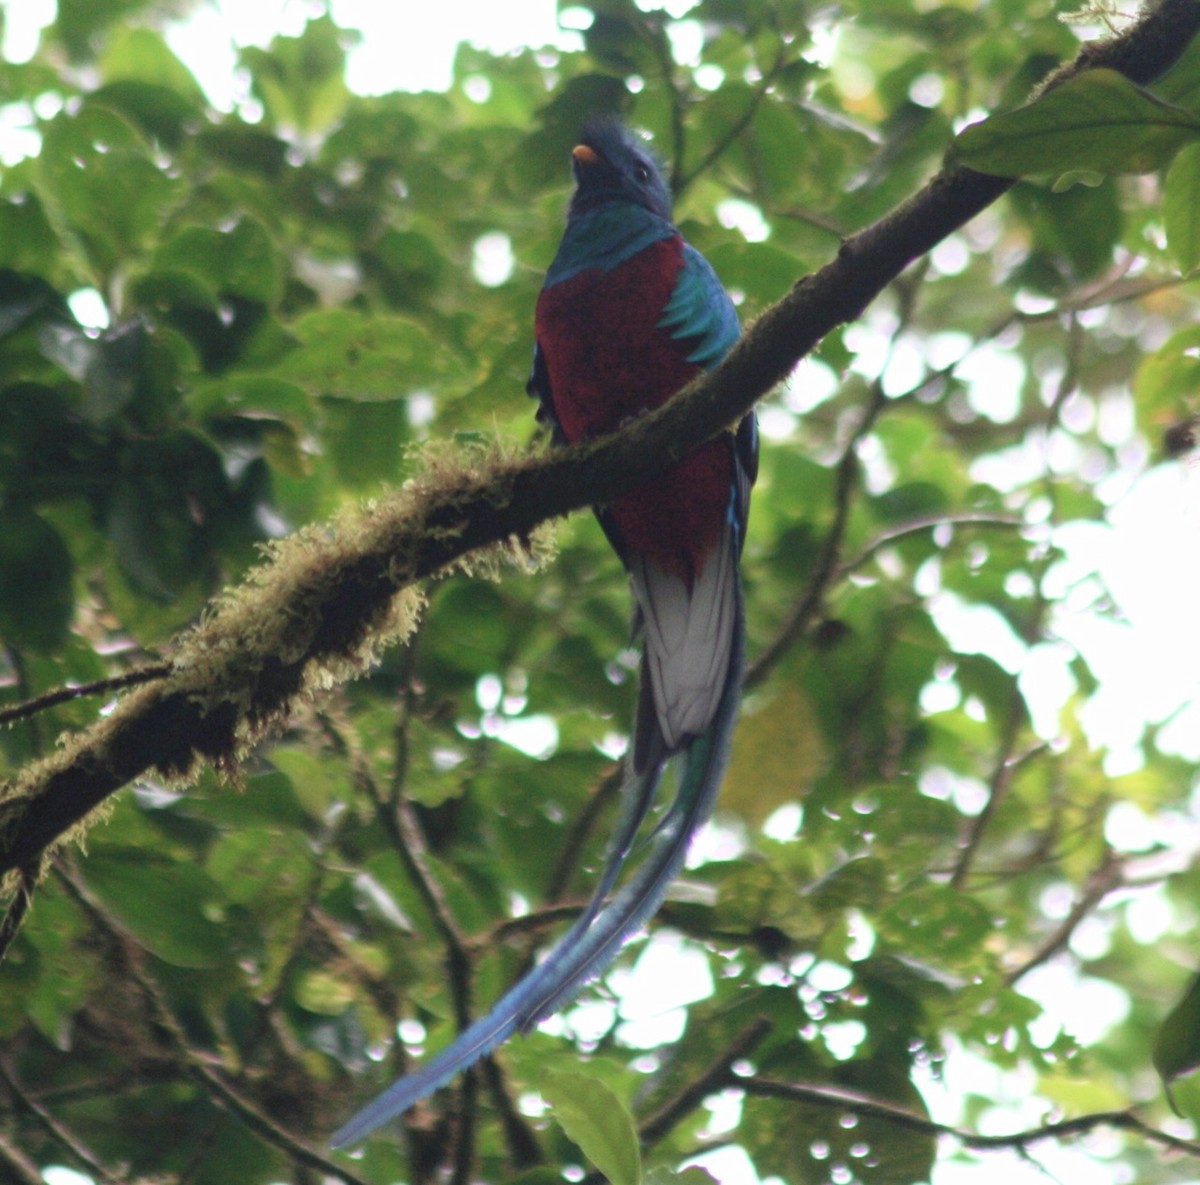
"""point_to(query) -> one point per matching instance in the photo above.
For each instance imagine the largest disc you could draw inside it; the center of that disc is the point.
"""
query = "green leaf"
(80, 23)
(365, 440)
(598, 1121)
(24, 298)
(243, 148)
(409, 264)
(781, 747)
(761, 270)
(1075, 231)
(301, 80)
(1098, 121)
(937, 923)
(1177, 1042)
(1181, 84)
(99, 179)
(312, 780)
(114, 371)
(323, 992)
(163, 903)
(857, 883)
(471, 628)
(71, 969)
(27, 241)
(267, 799)
(158, 111)
(1167, 380)
(910, 500)
(37, 600)
(255, 397)
(158, 509)
(362, 356)
(136, 53)
(241, 261)
(1181, 207)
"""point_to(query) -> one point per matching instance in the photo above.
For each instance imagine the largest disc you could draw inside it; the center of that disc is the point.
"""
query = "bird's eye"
(642, 174)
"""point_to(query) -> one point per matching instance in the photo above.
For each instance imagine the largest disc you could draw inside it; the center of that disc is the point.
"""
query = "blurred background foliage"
(217, 326)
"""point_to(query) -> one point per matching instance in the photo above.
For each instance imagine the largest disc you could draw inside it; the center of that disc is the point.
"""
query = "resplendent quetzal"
(628, 314)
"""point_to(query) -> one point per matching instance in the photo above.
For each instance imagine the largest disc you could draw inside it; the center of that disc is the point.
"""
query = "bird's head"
(611, 164)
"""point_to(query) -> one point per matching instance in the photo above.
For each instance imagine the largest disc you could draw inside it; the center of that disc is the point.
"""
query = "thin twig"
(809, 603)
(1005, 767)
(406, 703)
(395, 814)
(735, 130)
(401, 825)
(714, 1078)
(523, 1146)
(16, 660)
(533, 922)
(14, 1161)
(58, 1131)
(653, 31)
(868, 1107)
(569, 858)
(1006, 763)
(61, 695)
(918, 526)
(1103, 880)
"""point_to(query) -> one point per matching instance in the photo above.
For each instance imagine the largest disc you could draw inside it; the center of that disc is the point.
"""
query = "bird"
(628, 314)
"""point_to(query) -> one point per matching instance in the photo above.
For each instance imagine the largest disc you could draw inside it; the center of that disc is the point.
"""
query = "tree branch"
(716, 1077)
(1105, 878)
(864, 1105)
(323, 608)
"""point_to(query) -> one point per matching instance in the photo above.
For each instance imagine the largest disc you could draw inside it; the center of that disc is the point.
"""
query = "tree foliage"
(221, 329)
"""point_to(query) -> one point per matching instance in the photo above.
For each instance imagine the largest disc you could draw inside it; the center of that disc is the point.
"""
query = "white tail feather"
(688, 638)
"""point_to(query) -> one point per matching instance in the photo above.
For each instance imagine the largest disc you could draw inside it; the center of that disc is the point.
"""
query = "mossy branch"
(329, 599)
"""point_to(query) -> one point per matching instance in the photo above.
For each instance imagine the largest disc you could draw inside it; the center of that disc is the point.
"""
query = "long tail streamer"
(594, 940)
